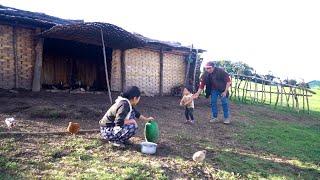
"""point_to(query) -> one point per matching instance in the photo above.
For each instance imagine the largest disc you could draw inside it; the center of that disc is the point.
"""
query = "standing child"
(187, 101)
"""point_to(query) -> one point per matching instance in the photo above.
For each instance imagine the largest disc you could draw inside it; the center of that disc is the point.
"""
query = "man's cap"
(209, 64)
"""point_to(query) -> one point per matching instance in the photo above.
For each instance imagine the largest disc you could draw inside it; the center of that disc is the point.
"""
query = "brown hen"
(73, 128)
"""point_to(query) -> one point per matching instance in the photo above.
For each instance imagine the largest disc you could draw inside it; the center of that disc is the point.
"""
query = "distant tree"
(235, 67)
(269, 76)
(292, 82)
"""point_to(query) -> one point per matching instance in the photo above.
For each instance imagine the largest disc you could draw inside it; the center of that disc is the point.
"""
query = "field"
(261, 142)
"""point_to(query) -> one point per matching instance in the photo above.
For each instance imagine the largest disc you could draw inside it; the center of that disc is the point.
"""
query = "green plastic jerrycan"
(151, 131)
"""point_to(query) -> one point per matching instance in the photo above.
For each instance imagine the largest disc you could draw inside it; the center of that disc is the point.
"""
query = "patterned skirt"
(117, 133)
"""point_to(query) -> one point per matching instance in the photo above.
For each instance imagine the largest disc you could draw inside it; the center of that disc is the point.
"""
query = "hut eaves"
(166, 44)
(90, 33)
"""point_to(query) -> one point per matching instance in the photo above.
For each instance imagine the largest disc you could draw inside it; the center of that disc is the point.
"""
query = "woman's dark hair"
(131, 92)
(189, 88)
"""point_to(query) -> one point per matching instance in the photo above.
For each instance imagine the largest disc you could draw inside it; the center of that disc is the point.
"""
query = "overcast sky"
(282, 36)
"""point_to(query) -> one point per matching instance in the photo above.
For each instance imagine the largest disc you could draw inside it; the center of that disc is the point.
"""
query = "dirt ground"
(39, 112)
(47, 112)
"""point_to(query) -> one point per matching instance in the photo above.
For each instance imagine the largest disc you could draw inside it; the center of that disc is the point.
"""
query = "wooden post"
(188, 68)
(239, 89)
(106, 66)
(303, 99)
(262, 92)
(281, 94)
(36, 83)
(194, 71)
(255, 90)
(236, 85)
(71, 74)
(277, 100)
(244, 90)
(296, 99)
(270, 90)
(250, 92)
(307, 102)
(14, 47)
(231, 91)
(292, 97)
(161, 72)
(123, 70)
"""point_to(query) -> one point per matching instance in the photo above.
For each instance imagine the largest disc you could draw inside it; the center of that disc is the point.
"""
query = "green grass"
(251, 167)
(315, 101)
(274, 149)
(286, 139)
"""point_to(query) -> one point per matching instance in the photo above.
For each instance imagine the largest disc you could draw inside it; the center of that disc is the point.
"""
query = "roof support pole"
(36, 82)
(106, 66)
(195, 71)
(123, 70)
(187, 80)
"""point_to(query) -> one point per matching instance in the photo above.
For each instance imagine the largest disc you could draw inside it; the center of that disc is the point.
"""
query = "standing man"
(217, 82)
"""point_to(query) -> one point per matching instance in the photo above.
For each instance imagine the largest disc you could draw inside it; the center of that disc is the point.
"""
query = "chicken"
(73, 128)
(199, 156)
(10, 122)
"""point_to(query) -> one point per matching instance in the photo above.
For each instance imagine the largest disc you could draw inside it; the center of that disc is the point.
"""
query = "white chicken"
(10, 122)
(199, 156)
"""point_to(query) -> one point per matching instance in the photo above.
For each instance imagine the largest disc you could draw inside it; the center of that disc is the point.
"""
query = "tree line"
(242, 68)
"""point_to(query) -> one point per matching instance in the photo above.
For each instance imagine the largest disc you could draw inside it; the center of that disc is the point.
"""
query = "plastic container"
(151, 131)
(148, 147)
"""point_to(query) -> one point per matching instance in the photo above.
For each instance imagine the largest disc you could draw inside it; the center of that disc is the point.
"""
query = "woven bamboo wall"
(6, 58)
(142, 70)
(26, 57)
(116, 71)
(174, 68)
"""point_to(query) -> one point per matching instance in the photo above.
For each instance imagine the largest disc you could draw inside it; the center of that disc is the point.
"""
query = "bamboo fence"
(258, 90)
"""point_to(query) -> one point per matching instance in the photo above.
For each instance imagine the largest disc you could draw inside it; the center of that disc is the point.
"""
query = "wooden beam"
(123, 70)
(36, 83)
(188, 68)
(106, 66)
(15, 57)
(161, 72)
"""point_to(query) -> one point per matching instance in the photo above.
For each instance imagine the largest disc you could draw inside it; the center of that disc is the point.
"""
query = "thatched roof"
(90, 33)
(77, 30)
(12, 15)
(166, 44)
